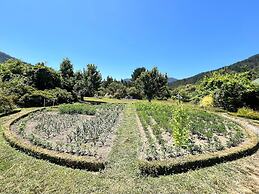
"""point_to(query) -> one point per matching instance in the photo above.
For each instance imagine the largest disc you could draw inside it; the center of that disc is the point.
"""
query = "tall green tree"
(107, 81)
(67, 75)
(88, 82)
(137, 72)
(45, 77)
(93, 79)
(66, 68)
(153, 83)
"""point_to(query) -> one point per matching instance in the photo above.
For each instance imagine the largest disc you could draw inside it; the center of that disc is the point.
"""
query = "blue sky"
(180, 37)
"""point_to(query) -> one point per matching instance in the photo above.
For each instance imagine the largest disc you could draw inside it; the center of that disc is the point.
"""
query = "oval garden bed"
(177, 138)
(78, 135)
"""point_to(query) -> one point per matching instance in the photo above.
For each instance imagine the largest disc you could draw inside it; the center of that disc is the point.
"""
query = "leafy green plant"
(180, 128)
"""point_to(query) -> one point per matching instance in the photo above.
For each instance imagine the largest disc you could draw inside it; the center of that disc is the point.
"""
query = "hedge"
(9, 113)
(64, 159)
(184, 164)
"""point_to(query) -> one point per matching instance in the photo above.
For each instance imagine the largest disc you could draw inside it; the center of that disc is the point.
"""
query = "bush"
(77, 108)
(39, 98)
(6, 104)
(248, 113)
(207, 101)
(186, 93)
(230, 91)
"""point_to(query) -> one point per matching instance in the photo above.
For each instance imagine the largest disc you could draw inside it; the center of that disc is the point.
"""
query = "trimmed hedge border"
(180, 165)
(64, 159)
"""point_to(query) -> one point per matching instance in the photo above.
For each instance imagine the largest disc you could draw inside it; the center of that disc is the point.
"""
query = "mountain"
(4, 57)
(171, 80)
(251, 64)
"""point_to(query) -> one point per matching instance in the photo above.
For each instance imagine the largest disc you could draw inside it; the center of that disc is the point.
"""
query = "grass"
(20, 173)
(248, 113)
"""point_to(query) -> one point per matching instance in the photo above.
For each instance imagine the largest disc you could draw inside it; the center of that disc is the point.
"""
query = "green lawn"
(20, 173)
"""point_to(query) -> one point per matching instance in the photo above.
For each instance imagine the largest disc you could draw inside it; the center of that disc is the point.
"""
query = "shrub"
(179, 125)
(207, 101)
(248, 113)
(39, 98)
(230, 91)
(77, 108)
(6, 104)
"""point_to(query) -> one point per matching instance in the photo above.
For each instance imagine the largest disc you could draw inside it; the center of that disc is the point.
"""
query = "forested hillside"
(251, 64)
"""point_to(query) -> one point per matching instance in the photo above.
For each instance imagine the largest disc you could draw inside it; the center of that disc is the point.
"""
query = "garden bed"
(54, 135)
(177, 138)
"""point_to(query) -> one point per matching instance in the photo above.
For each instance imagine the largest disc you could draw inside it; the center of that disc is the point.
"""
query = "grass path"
(20, 173)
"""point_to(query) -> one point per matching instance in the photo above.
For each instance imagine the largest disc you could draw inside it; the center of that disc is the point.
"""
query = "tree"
(117, 90)
(80, 85)
(87, 83)
(66, 68)
(153, 83)
(107, 82)
(137, 72)
(45, 77)
(93, 79)
(134, 93)
(67, 75)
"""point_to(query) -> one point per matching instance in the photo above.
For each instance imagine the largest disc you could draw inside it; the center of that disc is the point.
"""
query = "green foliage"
(6, 104)
(207, 101)
(153, 83)
(89, 82)
(107, 82)
(248, 113)
(77, 108)
(15, 69)
(137, 72)
(117, 90)
(66, 68)
(185, 93)
(67, 75)
(45, 77)
(37, 98)
(229, 91)
(93, 79)
(134, 93)
(180, 127)
(256, 82)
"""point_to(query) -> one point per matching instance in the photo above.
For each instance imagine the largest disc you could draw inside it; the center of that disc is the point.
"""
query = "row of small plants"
(78, 134)
(179, 130)
(77, 108)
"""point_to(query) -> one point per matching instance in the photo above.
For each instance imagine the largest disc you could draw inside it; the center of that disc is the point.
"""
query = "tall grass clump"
(77, 108)
(248, 113)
